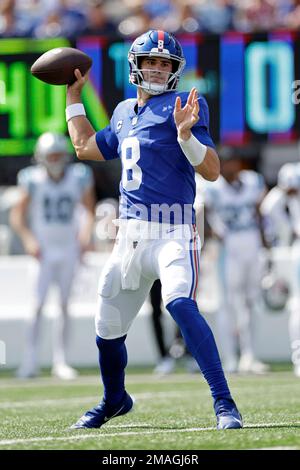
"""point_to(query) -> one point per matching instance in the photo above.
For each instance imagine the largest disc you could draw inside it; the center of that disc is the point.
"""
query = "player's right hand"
(32, 247)
(74, 90)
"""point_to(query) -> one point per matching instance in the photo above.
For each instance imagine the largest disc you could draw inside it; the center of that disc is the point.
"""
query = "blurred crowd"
(71, 18)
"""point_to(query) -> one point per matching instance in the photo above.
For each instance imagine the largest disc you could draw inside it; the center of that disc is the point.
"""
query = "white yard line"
(78, 437)
(102, 435)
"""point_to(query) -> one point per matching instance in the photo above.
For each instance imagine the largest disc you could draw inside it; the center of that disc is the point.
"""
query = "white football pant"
(145, 251)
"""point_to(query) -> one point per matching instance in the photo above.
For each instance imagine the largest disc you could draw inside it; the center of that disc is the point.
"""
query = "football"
(57, 66)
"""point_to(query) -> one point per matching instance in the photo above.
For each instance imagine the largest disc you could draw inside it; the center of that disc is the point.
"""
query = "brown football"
(57, 65)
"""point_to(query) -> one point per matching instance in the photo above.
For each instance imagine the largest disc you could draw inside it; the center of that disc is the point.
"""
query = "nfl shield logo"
(134, 121)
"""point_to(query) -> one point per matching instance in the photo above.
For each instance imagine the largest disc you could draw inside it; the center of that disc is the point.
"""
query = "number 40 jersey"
(156, 175)
(54, 206)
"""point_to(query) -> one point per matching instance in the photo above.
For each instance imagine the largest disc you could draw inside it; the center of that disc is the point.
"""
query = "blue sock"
(112, 362)
(201, 344)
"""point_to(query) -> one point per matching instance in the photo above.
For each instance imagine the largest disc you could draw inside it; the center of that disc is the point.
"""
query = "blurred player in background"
(232, 210)
(157, 237)
(281, 207)
(54, 219)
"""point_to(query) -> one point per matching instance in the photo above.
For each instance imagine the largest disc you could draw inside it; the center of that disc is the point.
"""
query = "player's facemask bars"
(157, 83)
(55, 169)
(152, 86)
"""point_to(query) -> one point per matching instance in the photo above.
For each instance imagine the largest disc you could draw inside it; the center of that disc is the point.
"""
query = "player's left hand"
(185, 118)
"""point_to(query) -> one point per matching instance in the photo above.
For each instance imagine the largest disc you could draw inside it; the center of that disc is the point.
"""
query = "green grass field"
(171, 413)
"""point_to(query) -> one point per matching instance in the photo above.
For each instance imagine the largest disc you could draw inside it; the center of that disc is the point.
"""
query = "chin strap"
(153, 88)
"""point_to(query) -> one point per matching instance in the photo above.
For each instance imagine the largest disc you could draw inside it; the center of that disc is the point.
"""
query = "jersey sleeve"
(107, 141)
(84, 176)
(25, 180)
(201, 129)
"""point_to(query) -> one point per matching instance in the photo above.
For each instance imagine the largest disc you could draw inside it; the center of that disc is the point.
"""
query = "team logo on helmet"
(156, 44)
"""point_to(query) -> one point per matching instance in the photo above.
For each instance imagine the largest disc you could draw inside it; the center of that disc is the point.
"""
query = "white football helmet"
(275, 290)
(161, 44)
(289, 177)
(48, 144)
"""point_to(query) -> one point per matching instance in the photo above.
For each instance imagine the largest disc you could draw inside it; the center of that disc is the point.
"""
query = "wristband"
(193, 150)
(76, 109)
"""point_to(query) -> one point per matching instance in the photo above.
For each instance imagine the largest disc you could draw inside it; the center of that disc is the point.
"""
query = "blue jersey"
(158, 182)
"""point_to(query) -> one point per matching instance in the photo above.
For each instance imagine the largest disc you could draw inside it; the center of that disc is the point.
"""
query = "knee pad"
(108, 322)
(110, 281)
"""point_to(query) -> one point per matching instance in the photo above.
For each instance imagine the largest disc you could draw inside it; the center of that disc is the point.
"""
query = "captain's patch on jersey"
(119, 125)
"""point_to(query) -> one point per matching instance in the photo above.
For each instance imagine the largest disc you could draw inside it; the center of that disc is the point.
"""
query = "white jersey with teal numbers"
(235, 205)
(158, 182)
(282, 208)
(53, 215)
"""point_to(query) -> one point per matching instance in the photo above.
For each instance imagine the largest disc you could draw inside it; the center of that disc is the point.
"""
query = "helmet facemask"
(56, 168)
(151, 87)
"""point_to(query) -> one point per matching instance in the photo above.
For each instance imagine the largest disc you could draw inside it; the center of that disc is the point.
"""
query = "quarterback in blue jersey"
(162, 137)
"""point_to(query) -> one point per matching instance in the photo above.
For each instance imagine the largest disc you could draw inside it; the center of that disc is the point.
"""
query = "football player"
(281, 207)
(162, 137)
(232, 210)
(47, 219)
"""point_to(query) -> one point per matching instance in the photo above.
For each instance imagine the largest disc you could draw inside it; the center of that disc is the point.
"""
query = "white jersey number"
(58, 210)
(132, 173)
